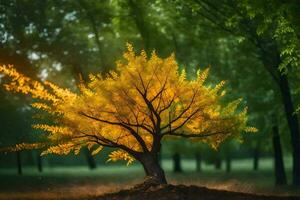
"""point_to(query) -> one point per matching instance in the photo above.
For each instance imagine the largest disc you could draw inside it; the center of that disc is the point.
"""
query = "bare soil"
(182, 192)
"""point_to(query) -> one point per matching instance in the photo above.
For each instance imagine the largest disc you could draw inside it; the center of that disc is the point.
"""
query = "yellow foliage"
(120, 155)
(142, 101)
(96, 151)
(23, 146)
(59, 149)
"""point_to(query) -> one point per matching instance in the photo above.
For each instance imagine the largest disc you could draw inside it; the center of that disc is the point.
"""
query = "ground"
(179, 192)
(81, 183)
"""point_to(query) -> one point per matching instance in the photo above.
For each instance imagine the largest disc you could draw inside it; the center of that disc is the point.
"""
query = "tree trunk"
(218, 163)
(278, 160)
(152, 169)
(198, 162)
(292, 120)
(90, 160)
(39, 162)
(19, 163)
(228, 164)
(177, 163)
(256, 158)
(160, 157)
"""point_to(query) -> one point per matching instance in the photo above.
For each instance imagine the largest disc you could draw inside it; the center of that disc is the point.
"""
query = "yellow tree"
(131, 110)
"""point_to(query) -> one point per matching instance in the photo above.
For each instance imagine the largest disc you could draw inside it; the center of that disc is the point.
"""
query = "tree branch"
(132, 131)
(183, 112)
(200, 135)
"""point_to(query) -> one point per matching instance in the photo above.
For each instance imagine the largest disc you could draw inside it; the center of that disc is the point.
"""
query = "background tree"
(269, 27)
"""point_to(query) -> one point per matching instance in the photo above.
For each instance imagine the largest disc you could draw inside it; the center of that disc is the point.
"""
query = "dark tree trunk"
(278, 158)
(228, 164)
(256, 158)
(198, 162)
(19, 163)
(90, 160)
(39, 162)
(280, 176)
(293, 126)
(218, 163)
(152, 168)
(177, 163)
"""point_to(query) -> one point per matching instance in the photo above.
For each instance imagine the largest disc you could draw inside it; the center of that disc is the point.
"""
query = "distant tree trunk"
(28, 157)
(280, 176)
(228, 163)
(152, 168)
(177, 163)
(19, 163)
(218, 163)
(39, 162)
(90, 159)
(198, 162)
(256, 158)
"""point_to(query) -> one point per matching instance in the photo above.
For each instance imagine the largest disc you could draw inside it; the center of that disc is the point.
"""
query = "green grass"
(73, 182)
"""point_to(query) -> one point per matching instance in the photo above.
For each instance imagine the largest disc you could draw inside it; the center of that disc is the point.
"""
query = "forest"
(149, 99)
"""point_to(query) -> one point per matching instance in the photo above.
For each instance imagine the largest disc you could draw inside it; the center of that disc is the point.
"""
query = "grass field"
(80, 182)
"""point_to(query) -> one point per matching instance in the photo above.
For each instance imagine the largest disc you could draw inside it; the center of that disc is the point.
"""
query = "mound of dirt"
(182, 192)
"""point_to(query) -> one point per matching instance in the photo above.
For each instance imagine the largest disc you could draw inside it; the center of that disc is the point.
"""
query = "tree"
(271, 27)
(132, 110)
